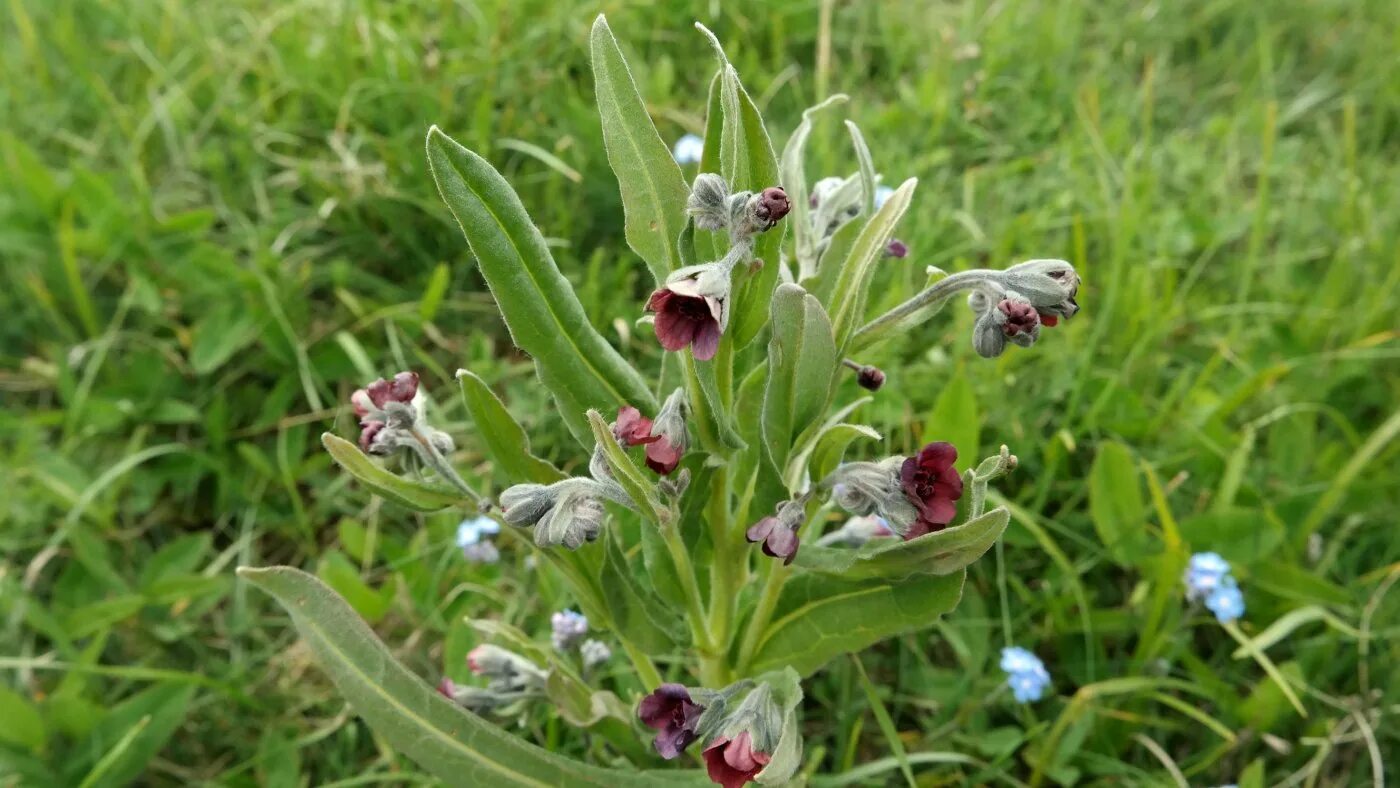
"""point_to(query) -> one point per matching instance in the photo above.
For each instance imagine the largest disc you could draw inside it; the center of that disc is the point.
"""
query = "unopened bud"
(870, 378)
(709, 202)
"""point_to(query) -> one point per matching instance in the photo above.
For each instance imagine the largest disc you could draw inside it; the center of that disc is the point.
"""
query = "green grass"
(216, 220)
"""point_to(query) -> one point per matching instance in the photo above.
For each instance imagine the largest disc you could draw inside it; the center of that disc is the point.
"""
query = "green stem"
(695, 612)
(724, 590)
(932, 296)
(763, 612)
(646, 669)
(439, 463)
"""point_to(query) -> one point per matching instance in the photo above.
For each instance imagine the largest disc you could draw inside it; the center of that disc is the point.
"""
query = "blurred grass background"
(216, 221)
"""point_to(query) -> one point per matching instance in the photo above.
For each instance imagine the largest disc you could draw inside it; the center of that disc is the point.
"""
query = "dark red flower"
(779, 541)
(663, 456)
(674, 715)
(632, 428)
(401, 389)
(369, 429)
(932, 484)
(772, 206)
(1021, 317)
(447, 688)
(871, 378)
(683, 319)
(897, 249)
(733, 762)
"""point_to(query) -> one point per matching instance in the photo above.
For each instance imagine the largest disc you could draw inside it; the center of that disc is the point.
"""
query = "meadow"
(216, 221)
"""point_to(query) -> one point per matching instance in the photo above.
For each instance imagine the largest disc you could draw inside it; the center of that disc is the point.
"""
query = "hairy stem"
(930, 297)
(439, 463)
(695, 607)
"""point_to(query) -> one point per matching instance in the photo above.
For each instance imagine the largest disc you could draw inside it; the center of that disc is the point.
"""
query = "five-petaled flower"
(670, 710)
(933, 486)
(733, 762)
(690, 311)
(632, 428)
(778, 538)
(1025, 674)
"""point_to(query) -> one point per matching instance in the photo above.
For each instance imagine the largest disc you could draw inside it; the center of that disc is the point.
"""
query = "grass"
(217, 220)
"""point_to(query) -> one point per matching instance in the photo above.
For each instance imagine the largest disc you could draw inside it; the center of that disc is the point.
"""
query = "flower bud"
(670, 439)
(631, 427)
(1049, 285)
(402, 389)
(870, 378)
(896, 249)
(575, 518)
(988, 338)
(709, 202)
(1018, 317)
(772, 205)
(525, 504)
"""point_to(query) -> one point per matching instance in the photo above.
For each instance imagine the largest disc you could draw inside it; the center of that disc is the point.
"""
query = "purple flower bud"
(674, 715)
(772, 206)
(369, 429)
(402, 389)
(733, 762)
(632, 428)
(779, 540)
(1021, 317)
(897, 249)
(870, 378)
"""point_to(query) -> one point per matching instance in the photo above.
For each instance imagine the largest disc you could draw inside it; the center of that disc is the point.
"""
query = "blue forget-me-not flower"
(688, 149)
(1025, 674)
(1208, 579)
(569, 628)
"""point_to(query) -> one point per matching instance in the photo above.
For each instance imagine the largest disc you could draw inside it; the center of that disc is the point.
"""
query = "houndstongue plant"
(706, 537)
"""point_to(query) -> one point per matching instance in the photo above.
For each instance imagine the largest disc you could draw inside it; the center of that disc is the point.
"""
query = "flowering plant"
(704, 537)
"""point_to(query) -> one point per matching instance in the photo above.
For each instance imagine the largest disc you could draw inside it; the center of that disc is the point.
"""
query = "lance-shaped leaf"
(830, 447)
(867, 169)
(940, 553)
(417, 495)
(541, 310)
(819, 618)
(801, 367)
(636, 613)
(457, 746)
(748, 163)
(853, 284)
(506, 442)
(654, 191)
(794, 180)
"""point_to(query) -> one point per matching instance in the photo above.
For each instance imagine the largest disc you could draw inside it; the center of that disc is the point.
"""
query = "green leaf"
(819, 618)
(506, 442)
(434, 292)
(217, 336)
(446, 740)
(1116, 505)
(853, 283)
(794, 179)
(541, 310)
(654, 191)
(20, 722)
(636, 613)
(801, 368)
(336, 571)
(747, 162)
(955, 418)
(940, 553)
(416, 495)
(867, 169)
(830, 447)
(112, 755)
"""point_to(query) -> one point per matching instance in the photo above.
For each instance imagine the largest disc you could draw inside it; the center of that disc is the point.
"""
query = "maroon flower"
(733, 762)
(933, 485)
(368, 430)
(779, 541)
(871, 378)
(897, 249)
(674, 715)
(401, 389)
(1021, 317)
(772, 206)
(447, 688)
(632, 428)
(663, 456)
(686, 319)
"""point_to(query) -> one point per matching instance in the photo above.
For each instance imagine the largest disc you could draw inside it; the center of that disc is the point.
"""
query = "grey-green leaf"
(417, 495)
(654, 191)
(449, 742)
(506, 442)
(853, 284)
(941, 553)
(638, 487)
(794, 179)
(819, 618)
(801, 368)
(540, 307)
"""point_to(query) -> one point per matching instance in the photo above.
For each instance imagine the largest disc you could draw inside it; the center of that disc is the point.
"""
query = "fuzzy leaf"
(868, 180)
(455, 745)
(506, 442)
(819, 619)
(794, 179)
(801, 367)
(540, 307)
(853, 284)
(635, 611)
(940, 553)
(653, 189)
(831, 447)
(638, 487)
(417, 495)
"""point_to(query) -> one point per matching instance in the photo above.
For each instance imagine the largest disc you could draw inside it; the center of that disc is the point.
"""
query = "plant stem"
(762, 613)
(646, 669)
(933, 295)
(695, 613)
(439, 463)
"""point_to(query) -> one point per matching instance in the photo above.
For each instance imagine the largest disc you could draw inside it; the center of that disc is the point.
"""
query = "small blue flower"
(1205, 573)
(569, 628)
(469, 532)
(1025, 674)
(1226, 602)
(483, 552)
(688, 149)
(882, 193)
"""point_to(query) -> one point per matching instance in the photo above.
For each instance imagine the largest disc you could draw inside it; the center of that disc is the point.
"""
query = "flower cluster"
(1025, 674)
(692, 305)
(475, 538)
(594, 653)
(1208, 578)
(914, 495)
(665, 438)
(390, 412)
(568, 628)
(1014, 304)
(510, 677)
(741, 738)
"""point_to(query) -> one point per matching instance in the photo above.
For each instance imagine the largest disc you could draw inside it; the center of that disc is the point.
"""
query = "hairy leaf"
(853, 283)
(801, 367)
(417, 495)
(506, 442)
(940, 553)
